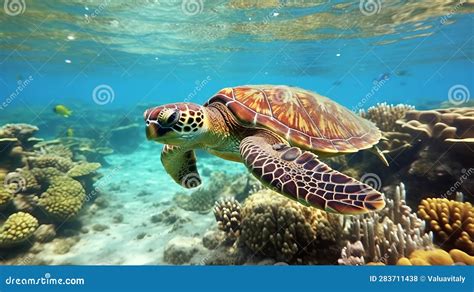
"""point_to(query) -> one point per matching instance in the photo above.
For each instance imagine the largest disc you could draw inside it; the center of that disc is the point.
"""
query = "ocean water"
(108, 61)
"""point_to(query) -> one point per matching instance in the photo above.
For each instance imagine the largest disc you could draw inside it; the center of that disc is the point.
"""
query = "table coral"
(83, 169)
(452, 222)
(17, 229)
(452, 127)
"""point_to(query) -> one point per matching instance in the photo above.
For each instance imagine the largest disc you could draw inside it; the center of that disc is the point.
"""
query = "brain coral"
(63, 199)
(276, 227)
(451, 221)
(60, 163)
(17, 229)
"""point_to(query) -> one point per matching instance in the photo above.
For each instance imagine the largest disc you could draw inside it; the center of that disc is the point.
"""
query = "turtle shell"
(305, 119)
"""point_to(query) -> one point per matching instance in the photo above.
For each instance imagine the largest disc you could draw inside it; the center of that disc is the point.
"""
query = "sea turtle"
(278, 132)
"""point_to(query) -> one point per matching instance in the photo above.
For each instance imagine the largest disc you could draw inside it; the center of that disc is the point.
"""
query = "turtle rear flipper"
(300, 175)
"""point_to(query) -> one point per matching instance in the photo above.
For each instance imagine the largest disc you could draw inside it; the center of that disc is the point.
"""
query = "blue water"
(152, 53)
(107, 61)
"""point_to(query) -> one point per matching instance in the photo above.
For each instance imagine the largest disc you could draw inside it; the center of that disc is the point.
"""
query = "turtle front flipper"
(181, 165)
(301, 176)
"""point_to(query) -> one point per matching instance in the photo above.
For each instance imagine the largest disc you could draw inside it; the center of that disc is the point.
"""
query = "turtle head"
(175, 124)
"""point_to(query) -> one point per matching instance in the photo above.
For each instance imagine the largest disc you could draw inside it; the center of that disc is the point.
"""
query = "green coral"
(60, 163)
(276, 227)
(5, 197)
(18, 228)
(63, 199)
(83, 169)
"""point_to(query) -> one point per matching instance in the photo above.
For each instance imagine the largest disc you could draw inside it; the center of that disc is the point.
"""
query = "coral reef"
(276, 227)
(63, 198)
(452, 222)
(451, 127)
(436, 257)
(385, 115)
(42, 182)
(17, 229)
(228, 216)
(180, 250)
(386, 236)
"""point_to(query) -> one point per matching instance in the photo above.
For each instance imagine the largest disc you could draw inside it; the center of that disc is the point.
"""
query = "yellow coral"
(17, 229)
(436, 257)
(63, 199)
(5, 197)
(83, 169)
(451, 221)
(404, 262)
(461, 257)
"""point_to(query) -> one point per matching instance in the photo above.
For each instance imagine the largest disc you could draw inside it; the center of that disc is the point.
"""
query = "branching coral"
(393, 233)
(18, 228)
(385, 115)
(452, 222)
(228, 216)
(276, 227)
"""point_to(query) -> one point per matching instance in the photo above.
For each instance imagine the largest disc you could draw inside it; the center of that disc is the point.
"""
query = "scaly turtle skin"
(278, 132)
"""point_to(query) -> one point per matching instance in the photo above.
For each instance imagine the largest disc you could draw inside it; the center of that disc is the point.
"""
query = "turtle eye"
(171, 119)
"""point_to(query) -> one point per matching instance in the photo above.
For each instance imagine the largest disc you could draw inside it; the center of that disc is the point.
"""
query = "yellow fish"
(62, 110)
(70, 132)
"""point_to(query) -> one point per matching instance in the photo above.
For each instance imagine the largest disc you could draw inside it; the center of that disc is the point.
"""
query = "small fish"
(19, 77)
(401, 73)
(70, 132)
(337, 83)
(381, 77)
(62, 110)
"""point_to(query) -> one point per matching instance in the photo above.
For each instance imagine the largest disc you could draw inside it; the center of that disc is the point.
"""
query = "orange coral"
(452, 222)
(436, 257)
